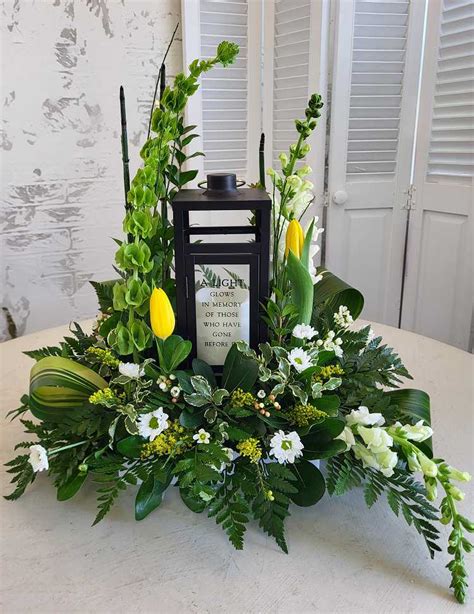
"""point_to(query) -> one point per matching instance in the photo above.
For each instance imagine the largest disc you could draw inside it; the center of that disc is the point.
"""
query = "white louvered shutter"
(295, 66)
(227, 107)
(377, 52)
(438, 291)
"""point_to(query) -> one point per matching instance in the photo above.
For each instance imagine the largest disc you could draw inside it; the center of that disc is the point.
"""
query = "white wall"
(62, 64)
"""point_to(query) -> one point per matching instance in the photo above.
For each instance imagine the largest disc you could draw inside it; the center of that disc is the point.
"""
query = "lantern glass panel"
(222, 298)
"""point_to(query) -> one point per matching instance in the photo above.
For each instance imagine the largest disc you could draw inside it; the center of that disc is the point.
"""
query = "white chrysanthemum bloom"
(366, 456)
(416, 432)
(261, 394)
(375, 438)
(202, 436)
(347, 436)
(38, 458)
(304, 331)
(363, 417)
(343, 317)
(132, 370)
(286, 447)
(300, 359)
(152, 424)
(388, 461)
(175, 391)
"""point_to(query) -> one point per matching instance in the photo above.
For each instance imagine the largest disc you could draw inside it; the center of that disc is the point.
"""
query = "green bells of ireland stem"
(140, 223)
(134, 256)
(127, 338)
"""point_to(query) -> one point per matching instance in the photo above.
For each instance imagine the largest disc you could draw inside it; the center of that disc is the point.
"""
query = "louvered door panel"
(226, 108)
(438, 291)
(452, 128)
(371, 134)
(290, 70)
(296, 48)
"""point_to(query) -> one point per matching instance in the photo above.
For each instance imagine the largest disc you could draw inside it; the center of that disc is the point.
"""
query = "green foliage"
(403, 493)
(271, 513)
(23, 475)
(231, 511)
(310, 486)
(331, 292)
(240, 371)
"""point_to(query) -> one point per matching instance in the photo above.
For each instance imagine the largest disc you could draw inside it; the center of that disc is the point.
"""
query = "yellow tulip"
(294, 239)
(161, 314)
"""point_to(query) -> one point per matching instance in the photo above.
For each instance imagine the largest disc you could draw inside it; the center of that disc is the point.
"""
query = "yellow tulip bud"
(294, 239)
(161, 314)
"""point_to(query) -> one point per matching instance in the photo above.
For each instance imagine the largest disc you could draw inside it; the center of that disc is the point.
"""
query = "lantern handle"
(203, 184)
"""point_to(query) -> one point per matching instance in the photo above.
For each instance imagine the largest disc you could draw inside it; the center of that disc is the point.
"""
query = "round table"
(342, 556)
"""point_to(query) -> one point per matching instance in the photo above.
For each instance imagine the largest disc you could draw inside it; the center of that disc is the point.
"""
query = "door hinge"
(326, 199)
(410, 198)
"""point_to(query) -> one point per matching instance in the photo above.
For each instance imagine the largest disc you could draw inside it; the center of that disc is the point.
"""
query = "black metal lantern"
(222, 271)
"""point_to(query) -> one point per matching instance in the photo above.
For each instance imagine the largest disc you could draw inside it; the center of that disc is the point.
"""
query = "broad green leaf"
(60, 385)
(175, 351)
(149, 496)
(71, 487)
(191, 420)
(202, 368)
(131, 446)
(302, 288)
(239, 371)
(335, 292)
(320, 442)
(310, 484)
(184, 380)
(329, 403)
(415, 405)
(195, 504)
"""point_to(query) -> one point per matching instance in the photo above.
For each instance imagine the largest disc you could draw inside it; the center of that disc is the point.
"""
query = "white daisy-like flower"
(202, 436)
(261, 394)
(152, 424)
(304, 331)
(38, 458)
(300, 359)
(286, 447)
(175, 391)
(132, 370)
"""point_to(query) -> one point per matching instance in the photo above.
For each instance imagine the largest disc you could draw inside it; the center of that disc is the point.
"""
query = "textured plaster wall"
(62, 64)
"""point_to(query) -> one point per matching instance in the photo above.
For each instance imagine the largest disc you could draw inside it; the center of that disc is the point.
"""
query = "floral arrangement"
(118, 407)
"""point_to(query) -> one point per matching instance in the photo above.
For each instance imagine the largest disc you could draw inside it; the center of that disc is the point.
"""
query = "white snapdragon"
(152, 424)
(387, 460)
(365, 455)
(347, 436)
(300, 359)
(38, 458)
(428, 467)
(286, 447)
(375, 438)
(131, 370)
(202, 436)
(304, 331)
(363, 417)
(342, 317)
(417, 432)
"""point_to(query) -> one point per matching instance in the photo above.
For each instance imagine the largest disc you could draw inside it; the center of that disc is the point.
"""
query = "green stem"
(71, 445)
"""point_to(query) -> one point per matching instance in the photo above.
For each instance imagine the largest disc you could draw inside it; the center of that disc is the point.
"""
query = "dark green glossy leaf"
(191, 420)
(415, 405)
(130, 446)
(71, 487)
(202, 368)
(329, 403)
(320, 442)
(335, 292)
(195, 504)
(239, 371)
(149, 496)
(311, 485)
